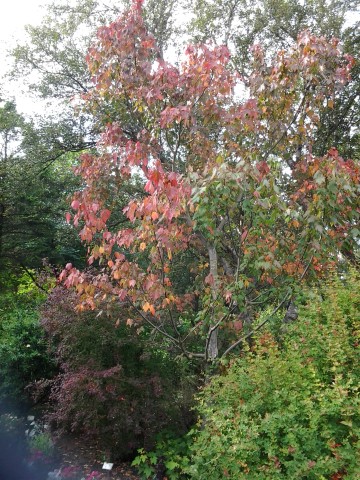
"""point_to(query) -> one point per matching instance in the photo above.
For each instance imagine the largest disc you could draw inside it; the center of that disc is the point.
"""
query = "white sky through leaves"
(14, 15)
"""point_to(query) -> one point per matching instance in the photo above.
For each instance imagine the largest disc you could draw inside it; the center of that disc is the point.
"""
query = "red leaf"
(238, 325)
(209, 279)
(105, 215)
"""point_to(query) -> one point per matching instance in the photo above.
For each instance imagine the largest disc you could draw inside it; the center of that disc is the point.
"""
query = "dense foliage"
(276, 25)
(24, 355)
(35, 180)
(113, 388)
(234, 185)
(287, 410)
(290, 412)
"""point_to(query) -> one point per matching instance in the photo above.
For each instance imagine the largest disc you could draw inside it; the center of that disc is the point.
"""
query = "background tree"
(10, 123)
(52, 61)
(34, 190)
(276, 24)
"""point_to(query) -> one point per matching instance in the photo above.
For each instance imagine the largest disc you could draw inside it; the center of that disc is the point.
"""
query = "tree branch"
(245, 337)
(33, 278)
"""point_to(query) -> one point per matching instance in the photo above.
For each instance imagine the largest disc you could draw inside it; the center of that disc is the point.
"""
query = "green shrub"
(23, 350)
(170, 457)
(41, 443)
(291, 412)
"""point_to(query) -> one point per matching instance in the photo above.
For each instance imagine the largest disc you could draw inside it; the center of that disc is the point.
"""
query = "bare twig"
(245, 337)
(33, 278)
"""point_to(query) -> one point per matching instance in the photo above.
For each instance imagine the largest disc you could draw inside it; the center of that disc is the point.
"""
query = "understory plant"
(112, 387)
(23, 350)
(290, 412)
(170, 457)
(41, 442)
(287, 407)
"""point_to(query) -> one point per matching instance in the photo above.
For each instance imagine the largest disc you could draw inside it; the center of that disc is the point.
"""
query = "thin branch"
(33, 278)
(274, 145)
(245, 337)
(341, 118)
(285, 299)
(165, 334)
(162, 332)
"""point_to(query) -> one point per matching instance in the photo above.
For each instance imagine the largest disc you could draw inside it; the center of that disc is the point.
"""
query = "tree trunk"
(212, 341)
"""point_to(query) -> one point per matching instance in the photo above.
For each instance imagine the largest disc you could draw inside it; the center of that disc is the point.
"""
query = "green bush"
(41, 443)
(290, 412)
(170, 457)
(23, 350)
(286, 409)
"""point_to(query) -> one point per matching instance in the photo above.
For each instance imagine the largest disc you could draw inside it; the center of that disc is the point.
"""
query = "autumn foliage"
(232, 196)
(114, 390)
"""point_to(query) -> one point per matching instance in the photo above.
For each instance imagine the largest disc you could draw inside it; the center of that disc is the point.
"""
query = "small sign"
(107, 466)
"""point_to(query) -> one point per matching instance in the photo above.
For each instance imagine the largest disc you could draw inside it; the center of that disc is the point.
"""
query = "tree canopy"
(231, 189)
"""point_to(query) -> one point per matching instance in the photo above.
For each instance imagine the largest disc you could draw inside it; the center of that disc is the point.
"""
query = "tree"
(10, 123)
(34, 187)
(52, 64)
(339, 126)
(276, 24)
(232, 190)
(52, 61)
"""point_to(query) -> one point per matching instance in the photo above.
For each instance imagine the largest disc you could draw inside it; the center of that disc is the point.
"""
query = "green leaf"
(170, 465)
(137, 460)
(148, 471)
(355, 232)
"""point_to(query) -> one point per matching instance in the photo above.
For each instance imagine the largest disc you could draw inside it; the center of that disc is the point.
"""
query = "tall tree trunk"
(212, 351)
